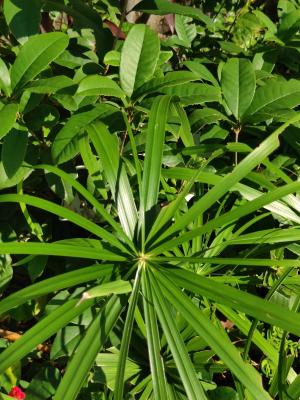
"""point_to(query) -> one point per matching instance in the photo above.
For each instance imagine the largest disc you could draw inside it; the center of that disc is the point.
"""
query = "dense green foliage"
(150, 228)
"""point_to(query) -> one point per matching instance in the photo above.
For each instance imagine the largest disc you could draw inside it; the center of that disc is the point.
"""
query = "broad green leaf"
(289, 26)
(14, 149)
(185, 367)
(228, 296)
(107, 147)
(126, 336)
(170, 79)
(95, 85)
(186, 31)
(202, 71)
(64, 213)
(153, 155)
(213, 336)
(193, 93)
(35, 56)
(238, 84)
(63, 250)
(84, 357)
(65, 145)
(163, 7)
(153, 342)
(205, 116)
(5, 85)
(106, 370)
(273, 96)
(21, 174)
(50, 285)
(8, 115)
(139, 57)
(113, 58)
(50, 85)
(23, 18)
(41, 331)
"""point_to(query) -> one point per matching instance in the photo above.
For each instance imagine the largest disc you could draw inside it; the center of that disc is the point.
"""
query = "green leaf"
(65, 145)
(89, 197)
(205, 116)
(95, 85)
(89, 347)
(238, 85)
(4, 78)
(202, 71)
(183, 362)
(64, 213)
(54, 284)
(170, 79)
(273, 96)
(126, 337)
(14, 149)
(240, 171)
(194, 93)
(139, 58)
(163, 7)
(50, 85)
(45, 328)
(185, 30)
(107, 147)
(153, 154)
(153, 342)
(8, 115)
(116, 287)
(23, 18)
(213, 336)
(228, 296)
(63, 250)
(35, 56)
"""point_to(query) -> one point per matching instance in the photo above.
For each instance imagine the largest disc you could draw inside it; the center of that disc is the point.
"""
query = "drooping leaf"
(238, 85)
(35, 56)
(139, 57)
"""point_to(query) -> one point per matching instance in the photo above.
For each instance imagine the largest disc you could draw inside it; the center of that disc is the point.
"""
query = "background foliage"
(149, 182)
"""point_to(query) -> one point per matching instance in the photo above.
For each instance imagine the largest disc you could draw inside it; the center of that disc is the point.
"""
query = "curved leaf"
(35, 56)
(139, 58)
(194, 93)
